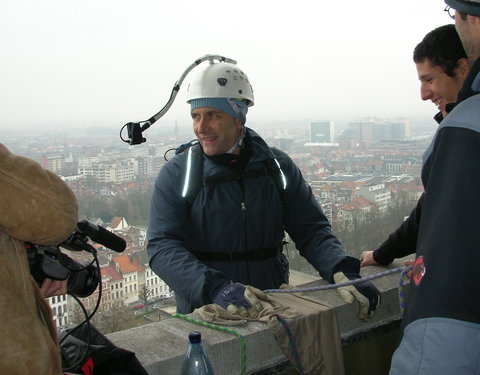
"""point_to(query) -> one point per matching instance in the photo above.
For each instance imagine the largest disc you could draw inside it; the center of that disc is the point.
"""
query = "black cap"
(195, 337)
(471, 7)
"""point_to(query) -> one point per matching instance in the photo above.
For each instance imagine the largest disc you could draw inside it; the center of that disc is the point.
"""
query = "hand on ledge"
(366, 259)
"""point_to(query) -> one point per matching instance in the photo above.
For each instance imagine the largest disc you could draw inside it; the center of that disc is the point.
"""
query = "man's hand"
(240, 300)
(52, 288)
(365, 293)
(366, 259)
(409, 263)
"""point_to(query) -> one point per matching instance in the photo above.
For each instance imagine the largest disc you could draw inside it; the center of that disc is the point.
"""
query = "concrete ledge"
(161, 346)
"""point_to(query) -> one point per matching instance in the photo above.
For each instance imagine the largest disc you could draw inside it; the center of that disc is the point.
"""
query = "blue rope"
(334, 286)
(401, 296)
(285, 325)
(293, 344)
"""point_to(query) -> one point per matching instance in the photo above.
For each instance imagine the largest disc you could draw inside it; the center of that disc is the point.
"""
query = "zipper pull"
(242, 206)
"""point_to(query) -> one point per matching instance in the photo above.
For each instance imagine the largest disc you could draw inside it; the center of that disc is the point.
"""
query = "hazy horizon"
(68, 64)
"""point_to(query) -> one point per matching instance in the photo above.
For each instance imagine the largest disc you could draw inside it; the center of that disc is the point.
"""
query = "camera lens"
(84, 277)
(83, 283)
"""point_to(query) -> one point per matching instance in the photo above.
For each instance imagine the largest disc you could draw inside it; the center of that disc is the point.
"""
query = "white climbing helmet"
(220, 80)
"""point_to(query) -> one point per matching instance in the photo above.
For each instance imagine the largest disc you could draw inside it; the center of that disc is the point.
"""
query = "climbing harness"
(193, 180)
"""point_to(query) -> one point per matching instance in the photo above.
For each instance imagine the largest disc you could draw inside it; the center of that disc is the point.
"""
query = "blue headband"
(236, 108)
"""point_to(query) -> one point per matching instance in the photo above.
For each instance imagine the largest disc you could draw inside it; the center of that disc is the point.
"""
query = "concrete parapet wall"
(161, 346)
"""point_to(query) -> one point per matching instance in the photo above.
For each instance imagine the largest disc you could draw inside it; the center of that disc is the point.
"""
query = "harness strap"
(259, 254)
(215, 180)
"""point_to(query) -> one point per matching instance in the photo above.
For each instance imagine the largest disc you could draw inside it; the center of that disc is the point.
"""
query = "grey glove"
(365, 293)
(240, 300)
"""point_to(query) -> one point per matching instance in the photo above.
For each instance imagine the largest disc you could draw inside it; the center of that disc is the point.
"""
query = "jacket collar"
(261, 151)
(438, 117)
(471, 86)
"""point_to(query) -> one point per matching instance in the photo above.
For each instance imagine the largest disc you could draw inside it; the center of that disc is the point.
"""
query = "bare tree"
(144, 294)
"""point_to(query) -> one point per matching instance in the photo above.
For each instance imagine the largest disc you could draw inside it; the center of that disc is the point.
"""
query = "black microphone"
(101, 235)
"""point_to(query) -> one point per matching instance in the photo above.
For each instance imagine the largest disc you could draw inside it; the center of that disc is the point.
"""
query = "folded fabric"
(313, 325)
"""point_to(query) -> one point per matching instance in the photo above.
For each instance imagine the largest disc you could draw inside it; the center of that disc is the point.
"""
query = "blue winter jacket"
(235, 220)
(446, 277)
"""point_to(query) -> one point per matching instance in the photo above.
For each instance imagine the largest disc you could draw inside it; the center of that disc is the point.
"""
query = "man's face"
(216, 130)
(468, 29)
(437, 86)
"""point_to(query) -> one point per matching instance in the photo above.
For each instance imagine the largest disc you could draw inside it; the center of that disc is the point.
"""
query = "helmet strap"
(238, 142)
(239, 113)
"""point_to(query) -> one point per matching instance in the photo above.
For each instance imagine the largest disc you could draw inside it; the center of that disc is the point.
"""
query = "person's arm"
(400, 243)
(168, 230)
(36, 205)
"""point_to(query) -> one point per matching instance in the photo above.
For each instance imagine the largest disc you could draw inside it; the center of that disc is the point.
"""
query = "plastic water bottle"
(196, 360)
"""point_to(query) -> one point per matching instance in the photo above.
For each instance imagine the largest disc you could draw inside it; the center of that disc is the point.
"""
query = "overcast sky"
(109, 62)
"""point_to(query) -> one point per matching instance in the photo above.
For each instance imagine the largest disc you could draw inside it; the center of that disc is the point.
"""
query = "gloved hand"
(365, 293)
(240, 300)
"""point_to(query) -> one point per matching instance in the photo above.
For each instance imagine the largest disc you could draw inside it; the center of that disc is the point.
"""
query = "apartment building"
(59, 306)
(376, 193)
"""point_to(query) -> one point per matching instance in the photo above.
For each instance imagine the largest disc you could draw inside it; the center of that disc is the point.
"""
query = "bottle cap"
(195, 337)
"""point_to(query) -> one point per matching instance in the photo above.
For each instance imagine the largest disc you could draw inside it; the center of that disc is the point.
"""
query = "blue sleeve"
(309, 228)
(168, 232)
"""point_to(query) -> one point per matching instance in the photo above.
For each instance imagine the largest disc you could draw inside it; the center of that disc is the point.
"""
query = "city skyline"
(114, 62)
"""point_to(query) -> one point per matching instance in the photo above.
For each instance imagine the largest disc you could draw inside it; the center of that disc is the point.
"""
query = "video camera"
(83, 277)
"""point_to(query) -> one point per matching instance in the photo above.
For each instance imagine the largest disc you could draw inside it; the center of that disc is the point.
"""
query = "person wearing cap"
(441, 322)
(442, 66)
(230, 238)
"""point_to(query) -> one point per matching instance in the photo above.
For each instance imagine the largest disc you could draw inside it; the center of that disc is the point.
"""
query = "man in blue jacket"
(229, 236)
(442, 317)
(442, 67)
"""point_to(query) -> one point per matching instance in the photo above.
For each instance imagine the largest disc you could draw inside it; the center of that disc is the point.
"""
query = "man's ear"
(474, 20)
(463, 67)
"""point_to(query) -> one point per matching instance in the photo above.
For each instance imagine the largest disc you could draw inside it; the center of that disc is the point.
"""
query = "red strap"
(87, 368)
